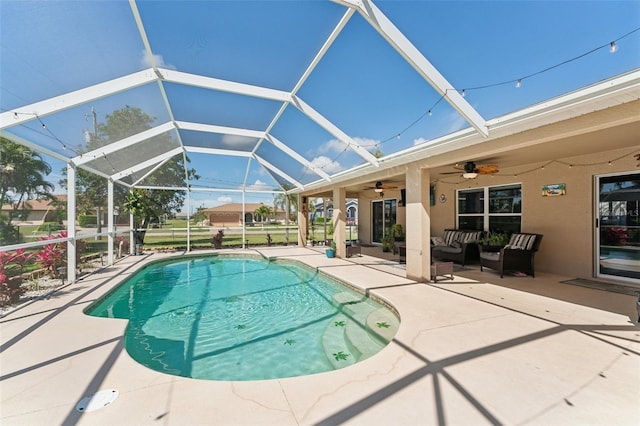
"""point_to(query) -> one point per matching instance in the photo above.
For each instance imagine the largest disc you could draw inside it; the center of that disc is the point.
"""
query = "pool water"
(230, 318)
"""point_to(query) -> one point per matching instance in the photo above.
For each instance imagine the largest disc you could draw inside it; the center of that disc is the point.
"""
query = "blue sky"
(361, 85)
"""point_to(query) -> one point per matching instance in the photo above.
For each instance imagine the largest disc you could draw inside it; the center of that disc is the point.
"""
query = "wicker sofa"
(457, 245)
(517, 256)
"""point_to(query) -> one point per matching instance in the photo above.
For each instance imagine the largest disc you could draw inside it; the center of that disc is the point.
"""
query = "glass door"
(383, 217)
(618, 226)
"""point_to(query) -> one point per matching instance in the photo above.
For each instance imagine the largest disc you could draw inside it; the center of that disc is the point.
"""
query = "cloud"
(456, 122)
(336, 146)
(258, 185)
(243, 143)
(224, 199)
(159, 60)
(326, 164)
(418, 141)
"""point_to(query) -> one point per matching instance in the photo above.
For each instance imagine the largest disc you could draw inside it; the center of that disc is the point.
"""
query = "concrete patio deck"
(475, 350)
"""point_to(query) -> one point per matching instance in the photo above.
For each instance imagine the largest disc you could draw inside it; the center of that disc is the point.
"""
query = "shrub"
(50, 227)
(11, 287)
(53, 256)
(87, 220)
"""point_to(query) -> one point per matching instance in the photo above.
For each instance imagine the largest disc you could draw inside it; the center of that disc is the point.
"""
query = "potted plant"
(496, 239)
(217, 239)
(331, 252)
(387, 242)
(398, 232)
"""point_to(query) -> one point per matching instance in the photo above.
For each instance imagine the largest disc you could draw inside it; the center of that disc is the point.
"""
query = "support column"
(244, 222)
(71, 223)
(189, 220)
(418, 232)
(110, 227)
(132, 240)
(339, 229)
(303, 220)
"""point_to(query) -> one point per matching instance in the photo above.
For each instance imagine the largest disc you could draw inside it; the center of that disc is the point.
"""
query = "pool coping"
(467, 351)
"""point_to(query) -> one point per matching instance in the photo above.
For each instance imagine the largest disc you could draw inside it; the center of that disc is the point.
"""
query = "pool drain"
(97, 400)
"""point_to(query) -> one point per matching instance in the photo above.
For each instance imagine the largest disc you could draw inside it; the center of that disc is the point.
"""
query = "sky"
(362, 85)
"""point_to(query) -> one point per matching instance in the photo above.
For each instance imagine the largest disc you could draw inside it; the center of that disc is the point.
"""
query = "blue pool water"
(230, 318)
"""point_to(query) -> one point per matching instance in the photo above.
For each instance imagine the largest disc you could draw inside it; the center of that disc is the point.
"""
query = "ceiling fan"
(471, 171)
(379, 187)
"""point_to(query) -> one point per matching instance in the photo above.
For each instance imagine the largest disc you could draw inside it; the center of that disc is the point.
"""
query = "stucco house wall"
(567, 222)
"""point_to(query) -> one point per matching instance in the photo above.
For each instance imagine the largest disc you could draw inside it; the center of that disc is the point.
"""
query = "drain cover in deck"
(97, 401)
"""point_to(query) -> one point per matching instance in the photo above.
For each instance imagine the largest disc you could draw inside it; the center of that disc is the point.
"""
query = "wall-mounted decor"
(443, 199)
(554, 190)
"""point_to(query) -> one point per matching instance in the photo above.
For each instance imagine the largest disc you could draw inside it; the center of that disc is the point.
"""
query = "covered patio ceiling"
(293, 96)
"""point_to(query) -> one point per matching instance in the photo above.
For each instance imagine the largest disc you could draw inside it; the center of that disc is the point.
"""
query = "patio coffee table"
(441, 269)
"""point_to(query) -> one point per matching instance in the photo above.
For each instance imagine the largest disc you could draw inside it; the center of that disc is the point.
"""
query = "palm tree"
(286, 201)
(264, 212)
(22, 178)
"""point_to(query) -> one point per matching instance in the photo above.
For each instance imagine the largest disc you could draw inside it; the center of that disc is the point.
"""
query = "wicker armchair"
(518, 255)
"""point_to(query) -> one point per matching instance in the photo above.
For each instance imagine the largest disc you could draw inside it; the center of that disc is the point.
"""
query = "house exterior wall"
(226, 219)
(567, 222)
(364, 212)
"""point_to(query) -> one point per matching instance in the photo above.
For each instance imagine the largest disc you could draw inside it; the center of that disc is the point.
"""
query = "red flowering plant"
(615, 235)
(217, 239)
(52, 256)
(11, 267)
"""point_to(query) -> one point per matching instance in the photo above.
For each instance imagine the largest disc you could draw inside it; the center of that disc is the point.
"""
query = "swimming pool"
(244, 318)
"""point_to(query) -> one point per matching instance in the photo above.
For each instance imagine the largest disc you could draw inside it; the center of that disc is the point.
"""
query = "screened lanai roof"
(271, 95)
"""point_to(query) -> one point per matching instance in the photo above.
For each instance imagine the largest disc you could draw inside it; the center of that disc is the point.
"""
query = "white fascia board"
(334, 130)
(151, 162)
(72, 99)
(629, 82)
(123, 143)
(224, 85)
(266, 164)
(299, 158)
(216, 151)
(412, 55)
(223, 130)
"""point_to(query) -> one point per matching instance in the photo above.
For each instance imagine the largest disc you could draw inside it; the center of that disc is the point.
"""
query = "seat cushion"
(521, 241)
(471, 237)
(490, 255)
(450, 236)
(447, 249)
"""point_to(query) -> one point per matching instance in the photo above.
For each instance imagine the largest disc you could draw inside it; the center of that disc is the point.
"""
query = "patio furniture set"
(462, 246)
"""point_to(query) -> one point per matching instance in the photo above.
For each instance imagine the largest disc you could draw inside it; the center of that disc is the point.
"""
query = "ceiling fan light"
(378, 189)
(470, 175)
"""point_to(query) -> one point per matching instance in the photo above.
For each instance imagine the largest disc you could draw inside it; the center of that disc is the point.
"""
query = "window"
(494, 209)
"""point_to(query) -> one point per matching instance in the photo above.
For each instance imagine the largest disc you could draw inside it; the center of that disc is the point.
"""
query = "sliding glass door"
(383, 217)
(618, 226)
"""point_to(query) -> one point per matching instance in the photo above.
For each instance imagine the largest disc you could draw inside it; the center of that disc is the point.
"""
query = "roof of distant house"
(39, 204)
(235, 207)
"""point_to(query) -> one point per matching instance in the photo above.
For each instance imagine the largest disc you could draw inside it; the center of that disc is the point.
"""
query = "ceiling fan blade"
(487, 169)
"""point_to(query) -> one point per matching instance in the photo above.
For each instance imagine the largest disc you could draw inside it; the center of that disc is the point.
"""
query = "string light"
(542, 167)
(518, 81)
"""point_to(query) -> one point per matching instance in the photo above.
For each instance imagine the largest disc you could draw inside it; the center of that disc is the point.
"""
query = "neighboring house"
(231, 214)
(38, 211)
(351, 210)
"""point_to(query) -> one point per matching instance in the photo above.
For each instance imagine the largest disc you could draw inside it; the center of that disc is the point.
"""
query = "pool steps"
(358, 342)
